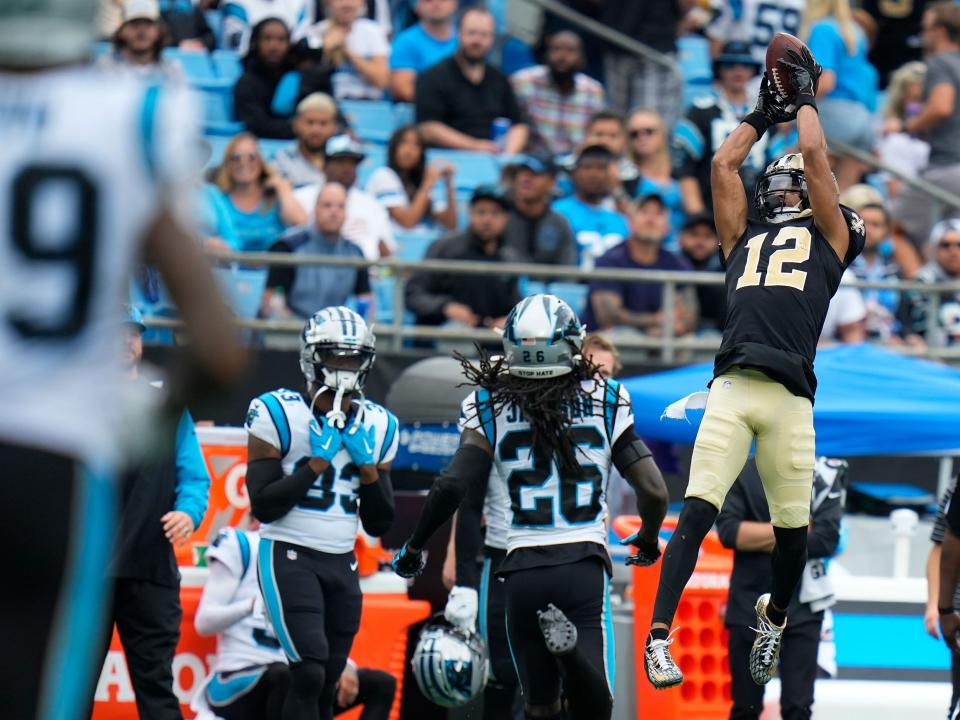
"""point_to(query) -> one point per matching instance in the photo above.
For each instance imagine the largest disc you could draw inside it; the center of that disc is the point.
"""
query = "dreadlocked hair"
(548, 405)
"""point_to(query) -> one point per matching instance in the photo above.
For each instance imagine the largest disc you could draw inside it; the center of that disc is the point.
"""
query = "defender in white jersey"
(318, 464)
(89, 168)
(551, 430)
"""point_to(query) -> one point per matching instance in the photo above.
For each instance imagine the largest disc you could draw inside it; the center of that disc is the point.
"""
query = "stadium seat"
(472, 168)
(227, 64)
(214, 19)
(403, 114)
(243, 288)
(376, 156)
(218, 119)
(412, 246)
(694, 57)
(383, 287)
(196, 64)
(100, 49)
(574, 294)
(218, 145)
(528, 287)
(372, 120)
(270, 147)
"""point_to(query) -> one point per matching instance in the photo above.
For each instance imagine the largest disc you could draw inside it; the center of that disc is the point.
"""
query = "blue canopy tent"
(870, 401)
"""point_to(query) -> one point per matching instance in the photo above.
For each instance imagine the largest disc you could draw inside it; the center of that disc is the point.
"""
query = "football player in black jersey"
(782, 268)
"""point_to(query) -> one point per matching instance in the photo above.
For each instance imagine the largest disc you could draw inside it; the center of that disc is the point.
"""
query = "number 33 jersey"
(326, 518)
(87, 163)
(780, 278)
(545, 507)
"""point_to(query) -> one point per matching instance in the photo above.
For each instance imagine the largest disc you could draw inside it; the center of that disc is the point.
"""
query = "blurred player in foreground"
(553, 428)
(89, 173)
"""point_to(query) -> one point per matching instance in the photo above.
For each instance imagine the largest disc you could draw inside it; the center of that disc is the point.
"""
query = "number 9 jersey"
(544, 508)
(327, 516)
(88, 163)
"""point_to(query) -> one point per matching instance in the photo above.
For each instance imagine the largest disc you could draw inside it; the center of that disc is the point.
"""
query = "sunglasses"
(646, 132)
(237, 157)
(948, 245)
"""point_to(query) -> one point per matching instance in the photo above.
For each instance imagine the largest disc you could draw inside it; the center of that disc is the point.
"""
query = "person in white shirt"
(357, 47)
(367, 224)
(846, 315)
(407, 186)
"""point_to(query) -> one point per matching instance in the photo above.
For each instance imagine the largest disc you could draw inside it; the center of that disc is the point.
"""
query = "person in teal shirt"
(422, 45)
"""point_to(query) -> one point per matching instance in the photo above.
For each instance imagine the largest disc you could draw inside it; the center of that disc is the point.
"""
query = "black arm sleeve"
(273, 494)
(470, 465)
(376, 505)
(634, 461)
(469, 535)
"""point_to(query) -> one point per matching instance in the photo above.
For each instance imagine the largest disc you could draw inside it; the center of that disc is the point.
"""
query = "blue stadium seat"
(403, 114)
(372, 120)
(412, 246)
(218, 145)
(196, 65)
(383, 287)
(227, 64)
(242, 288)
(472, 168)
(270, 147)
(693, 54)
(376, 156)
(528, 287)
(218, 99)
(100, 49)
(574, 294)
(215, 21)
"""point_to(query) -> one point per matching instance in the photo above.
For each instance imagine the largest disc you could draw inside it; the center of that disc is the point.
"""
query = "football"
(777, 50)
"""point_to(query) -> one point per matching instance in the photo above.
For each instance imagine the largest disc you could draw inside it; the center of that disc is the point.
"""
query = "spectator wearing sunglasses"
(259, 201)
(944, 266)
(708, 122)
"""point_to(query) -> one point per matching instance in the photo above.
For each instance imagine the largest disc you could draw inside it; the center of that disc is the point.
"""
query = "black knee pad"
(307, 678)
(698, 514)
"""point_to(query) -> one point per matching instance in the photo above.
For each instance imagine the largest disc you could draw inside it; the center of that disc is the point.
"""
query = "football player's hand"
(949, 626)
(804, 74)
(177, 526)
(348, 686)
(930, 622)
(771, 106)
(360, 442)
(647, 552)
(325, 439)
(462, 607)
(408, 564)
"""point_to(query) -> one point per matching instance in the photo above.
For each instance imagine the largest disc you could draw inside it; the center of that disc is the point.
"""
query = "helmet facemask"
(772, 198)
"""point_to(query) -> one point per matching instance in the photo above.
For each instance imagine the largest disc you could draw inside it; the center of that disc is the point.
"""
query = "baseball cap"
(700, 218)
(942, 228)
(859, 195)
(133, 316)
(490, 192)
(650, 197)
(539, 164)
(736, 53)
(594, 151)
(343, 146)
(141, 10)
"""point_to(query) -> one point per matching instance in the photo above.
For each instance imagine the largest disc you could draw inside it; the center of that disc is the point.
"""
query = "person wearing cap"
(139, 41)
(557, 98)
(534, 231)
(596, 228)
(629, 307)
(469, 300)
(944, 266)
(367, 223)
(306, 287)
(407, 186)
(878, 262)
(458, 99)
(163, 501)
(265, 96)
(698, 246)
(710, 119)
(302, 161)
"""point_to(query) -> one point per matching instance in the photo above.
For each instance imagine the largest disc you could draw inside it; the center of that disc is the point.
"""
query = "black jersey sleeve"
(858, 233)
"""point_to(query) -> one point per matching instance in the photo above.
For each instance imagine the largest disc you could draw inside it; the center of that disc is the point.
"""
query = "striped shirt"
(557, 121)
(940, 529)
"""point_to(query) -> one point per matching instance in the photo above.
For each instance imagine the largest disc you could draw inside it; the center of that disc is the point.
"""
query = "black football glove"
(804, 74)
(770, 109)
(647, 553)
(408, 564)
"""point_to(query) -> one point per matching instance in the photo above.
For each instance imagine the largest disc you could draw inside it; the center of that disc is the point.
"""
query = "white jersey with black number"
(755, 22)
(86, 163)
(326, 519)
(544, 508)
(251, 641)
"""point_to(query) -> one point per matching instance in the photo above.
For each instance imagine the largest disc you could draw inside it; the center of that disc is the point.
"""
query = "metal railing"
(666, 347)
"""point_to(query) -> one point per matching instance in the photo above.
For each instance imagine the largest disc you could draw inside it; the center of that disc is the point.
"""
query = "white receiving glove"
(462, 606)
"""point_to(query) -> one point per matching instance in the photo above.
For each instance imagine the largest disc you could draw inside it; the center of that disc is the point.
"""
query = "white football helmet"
(337, 350)
(542, 337)
(43, 33)
(450, 664)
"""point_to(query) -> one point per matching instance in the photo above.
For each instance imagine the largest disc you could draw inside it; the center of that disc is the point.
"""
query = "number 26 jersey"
(543, 506)
(780, 278)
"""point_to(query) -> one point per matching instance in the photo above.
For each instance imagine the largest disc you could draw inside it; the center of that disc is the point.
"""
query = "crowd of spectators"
(605, 155)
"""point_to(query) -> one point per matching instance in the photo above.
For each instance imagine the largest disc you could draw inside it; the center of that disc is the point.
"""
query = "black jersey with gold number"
(780, 278)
